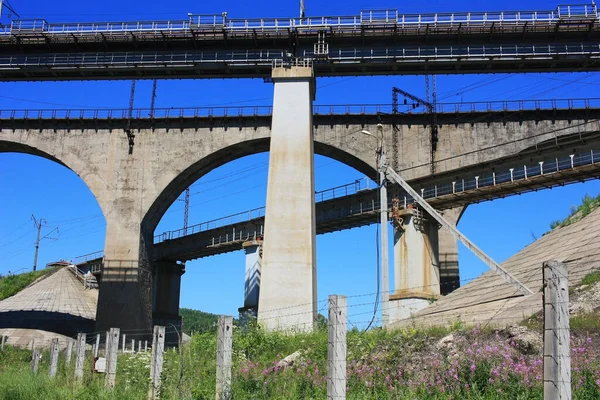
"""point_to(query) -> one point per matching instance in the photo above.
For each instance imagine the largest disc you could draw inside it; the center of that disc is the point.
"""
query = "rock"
(583, 287)
(525, 340)
(289, 360)
(446, 341)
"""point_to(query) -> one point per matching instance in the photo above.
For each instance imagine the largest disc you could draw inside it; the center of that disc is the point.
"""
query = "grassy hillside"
(198, 321)
(12, 284)
(588, 204)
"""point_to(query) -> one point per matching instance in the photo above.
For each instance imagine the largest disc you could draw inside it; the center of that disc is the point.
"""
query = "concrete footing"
(125, 290)
(288, 277)
(416, 266)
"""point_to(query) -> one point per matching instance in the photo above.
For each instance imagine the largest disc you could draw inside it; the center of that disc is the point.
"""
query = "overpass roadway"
(372, 42)
(356, 204)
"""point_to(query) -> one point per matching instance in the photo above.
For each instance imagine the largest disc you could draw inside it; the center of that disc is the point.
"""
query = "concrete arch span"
(231, 153)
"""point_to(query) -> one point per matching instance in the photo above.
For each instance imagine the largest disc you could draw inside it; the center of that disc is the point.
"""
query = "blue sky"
(346, 260)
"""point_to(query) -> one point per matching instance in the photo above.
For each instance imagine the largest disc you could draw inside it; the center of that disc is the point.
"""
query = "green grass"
(13, 284)
(191, 373)
(588, 204)
(591, 278)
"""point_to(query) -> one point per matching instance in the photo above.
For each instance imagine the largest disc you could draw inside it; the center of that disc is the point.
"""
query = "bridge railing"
(247, 216)
(516, 173)
(88, 257)
(368, 17)
(266, 58)
(265, 111)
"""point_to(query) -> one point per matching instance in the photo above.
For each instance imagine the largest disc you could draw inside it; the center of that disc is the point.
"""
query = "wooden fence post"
(336, 347)
(97, 348)
(224, 345)
(68, 352)
(112, 347)
(557, 335)
(158, 348)
(79, 355)
(53, 358)
(35, 357)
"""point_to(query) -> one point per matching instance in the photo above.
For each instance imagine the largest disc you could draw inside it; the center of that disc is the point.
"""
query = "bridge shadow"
(61, 323)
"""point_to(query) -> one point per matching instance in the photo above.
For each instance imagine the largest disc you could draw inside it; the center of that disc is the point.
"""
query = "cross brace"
(470, 245)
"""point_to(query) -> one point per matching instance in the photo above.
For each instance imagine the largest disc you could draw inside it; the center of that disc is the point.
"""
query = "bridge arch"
(231, 153)
(69, 159)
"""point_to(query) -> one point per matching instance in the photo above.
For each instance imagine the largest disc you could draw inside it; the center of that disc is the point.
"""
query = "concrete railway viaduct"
(136, 167)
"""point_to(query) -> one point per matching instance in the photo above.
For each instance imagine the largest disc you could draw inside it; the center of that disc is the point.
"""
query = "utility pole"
(382, 166)
(186, 210)
(39, 224)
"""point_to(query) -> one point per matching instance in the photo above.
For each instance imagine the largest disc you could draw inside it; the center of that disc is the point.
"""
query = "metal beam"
(470, 245)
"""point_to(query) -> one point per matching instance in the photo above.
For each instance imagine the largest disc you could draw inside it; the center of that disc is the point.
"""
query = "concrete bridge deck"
(370, 43)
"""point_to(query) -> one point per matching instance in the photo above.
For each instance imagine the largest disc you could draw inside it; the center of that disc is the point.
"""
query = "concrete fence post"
(557, 335)
(97, 348)
(68, 352)
(336, 347)
(124, 346)
(224, 346)
(145, 345)
(158, 349)
(112, 348)
(80, 355)
(35, 357)
(4, 338)
(133, 345)
(53, 358)
(139, 346)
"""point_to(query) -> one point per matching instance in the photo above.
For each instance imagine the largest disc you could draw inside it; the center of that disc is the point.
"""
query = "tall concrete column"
(416, 265)
(288, 296)
(449, 271)
(253, 250)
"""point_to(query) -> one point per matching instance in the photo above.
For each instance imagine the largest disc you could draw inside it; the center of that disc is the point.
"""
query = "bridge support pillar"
(167, 285)
(416, 266)
(449, 271)
(288, 278)
(253, 250)
(125, 290)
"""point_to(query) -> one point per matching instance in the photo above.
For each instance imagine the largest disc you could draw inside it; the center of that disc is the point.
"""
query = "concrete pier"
(288, 278)
(253, 250)
(167, 286)
(125, 294)
(416, 265)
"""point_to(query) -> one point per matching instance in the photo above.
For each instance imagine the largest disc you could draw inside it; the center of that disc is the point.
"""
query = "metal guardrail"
(88, 257)
(512, 175)
(267, 58)
(266, 111)
(367, 17)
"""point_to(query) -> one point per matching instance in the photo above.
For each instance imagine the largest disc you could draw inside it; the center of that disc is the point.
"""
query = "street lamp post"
(385, 280)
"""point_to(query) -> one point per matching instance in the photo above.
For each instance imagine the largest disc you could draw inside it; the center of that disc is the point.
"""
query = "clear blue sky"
(345, 260)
